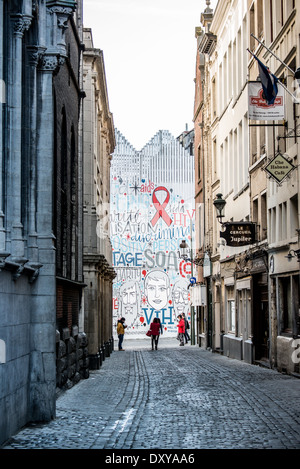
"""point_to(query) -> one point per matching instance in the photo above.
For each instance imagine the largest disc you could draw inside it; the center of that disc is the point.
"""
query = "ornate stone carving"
(62, 14)
(3, 256)
(62, 4)
(34, 54)
(61, 10)
(21, 23)
(49, 62)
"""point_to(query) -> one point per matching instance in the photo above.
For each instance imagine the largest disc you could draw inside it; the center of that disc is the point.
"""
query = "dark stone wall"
(72, 363)
(71, 347)
(67, 102)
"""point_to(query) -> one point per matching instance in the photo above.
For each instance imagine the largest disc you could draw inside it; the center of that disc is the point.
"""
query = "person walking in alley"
(160, 326)
(121, 331)
(181, 329)
(186, 326)
(155, 331)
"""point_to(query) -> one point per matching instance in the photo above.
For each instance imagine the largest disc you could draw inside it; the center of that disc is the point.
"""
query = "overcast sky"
(149, 49)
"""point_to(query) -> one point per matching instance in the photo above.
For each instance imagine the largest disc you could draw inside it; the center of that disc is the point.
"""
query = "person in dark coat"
(155, 331)
(187, 326)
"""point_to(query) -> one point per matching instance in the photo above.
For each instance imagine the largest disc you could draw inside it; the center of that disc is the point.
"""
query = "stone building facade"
(99, 144)
(281, 28)
(43, 344)
(71, 341)
(31, 56)
(255, 287)
(226, 168)
(203, 123)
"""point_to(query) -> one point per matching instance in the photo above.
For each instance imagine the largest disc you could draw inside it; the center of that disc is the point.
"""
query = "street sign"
(279, 168)
(259, 110)
(238, 233)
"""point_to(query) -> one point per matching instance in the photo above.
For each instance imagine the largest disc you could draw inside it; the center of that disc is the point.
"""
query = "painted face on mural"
(157, 289)
(130, 297)
(180, 297)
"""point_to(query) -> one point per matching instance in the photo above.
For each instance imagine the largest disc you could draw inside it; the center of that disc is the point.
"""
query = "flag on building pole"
(268, 81)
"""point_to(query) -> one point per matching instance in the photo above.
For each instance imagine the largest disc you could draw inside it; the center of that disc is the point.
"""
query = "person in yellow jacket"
(121, 331)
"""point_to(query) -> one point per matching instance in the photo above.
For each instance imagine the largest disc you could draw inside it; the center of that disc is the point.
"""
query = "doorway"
(260, 318)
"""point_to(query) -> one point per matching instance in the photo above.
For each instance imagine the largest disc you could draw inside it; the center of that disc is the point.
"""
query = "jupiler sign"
(238, 233)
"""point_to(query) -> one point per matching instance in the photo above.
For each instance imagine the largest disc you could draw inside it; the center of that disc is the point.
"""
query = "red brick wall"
(67, 304)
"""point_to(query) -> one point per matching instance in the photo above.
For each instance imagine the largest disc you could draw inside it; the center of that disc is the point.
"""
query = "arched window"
(64, 252)
(74, 203)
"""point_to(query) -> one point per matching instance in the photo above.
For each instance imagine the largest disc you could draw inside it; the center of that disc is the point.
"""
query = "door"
(260, 318)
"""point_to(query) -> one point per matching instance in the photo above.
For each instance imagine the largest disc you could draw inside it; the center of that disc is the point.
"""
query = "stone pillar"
(102, 306)
(20, 23)
(92, 308)
(112, 276)
(2, 103)
(34, 53)
(43, 317)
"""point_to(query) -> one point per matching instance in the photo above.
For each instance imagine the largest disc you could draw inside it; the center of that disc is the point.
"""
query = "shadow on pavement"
(138, 344)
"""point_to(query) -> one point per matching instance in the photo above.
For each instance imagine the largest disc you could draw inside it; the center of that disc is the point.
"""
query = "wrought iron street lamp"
(293, 253)
(186, 254)
(219, 204)
(183, 247)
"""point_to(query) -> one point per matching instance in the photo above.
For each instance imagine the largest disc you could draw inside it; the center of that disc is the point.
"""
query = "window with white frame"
(230, 309)
(244, 313)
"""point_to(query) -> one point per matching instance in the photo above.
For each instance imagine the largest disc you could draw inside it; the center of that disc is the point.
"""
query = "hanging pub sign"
(258, 108)
(238, 233)
(279, 168)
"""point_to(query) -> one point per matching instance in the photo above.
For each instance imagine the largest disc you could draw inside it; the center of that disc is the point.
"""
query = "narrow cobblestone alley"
(172, 398)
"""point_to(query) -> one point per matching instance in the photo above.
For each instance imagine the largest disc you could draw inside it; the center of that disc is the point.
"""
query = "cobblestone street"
(172, 398)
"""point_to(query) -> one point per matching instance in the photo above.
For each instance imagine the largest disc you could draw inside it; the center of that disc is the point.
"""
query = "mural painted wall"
(151, 212)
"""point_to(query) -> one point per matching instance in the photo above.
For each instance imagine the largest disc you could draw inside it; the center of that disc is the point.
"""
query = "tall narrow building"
(99, 143)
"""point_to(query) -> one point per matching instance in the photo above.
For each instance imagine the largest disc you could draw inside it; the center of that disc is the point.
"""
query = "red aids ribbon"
(160, 209)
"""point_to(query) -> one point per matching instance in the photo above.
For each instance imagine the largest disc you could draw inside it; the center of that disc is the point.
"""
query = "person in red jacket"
(155, 331)
(181, 329)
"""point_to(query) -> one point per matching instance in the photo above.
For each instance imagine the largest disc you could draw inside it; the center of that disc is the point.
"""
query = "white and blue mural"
(151, 212)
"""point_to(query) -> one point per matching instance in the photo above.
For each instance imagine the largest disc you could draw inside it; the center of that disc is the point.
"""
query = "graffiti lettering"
(147, 223)
(185, 268)
(128, 274)
(165, 313)
(147, 188)
(128, 259)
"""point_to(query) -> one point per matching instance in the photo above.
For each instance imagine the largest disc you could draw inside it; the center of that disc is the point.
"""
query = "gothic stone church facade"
(41, 220)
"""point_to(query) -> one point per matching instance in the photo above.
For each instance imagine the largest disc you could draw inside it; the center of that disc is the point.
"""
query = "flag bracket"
(267, 125)
(292, 133)
(287, 136)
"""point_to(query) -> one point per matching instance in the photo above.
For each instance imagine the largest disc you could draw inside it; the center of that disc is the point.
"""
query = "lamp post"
(296, 253)
(219, 204)
(184, 255)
